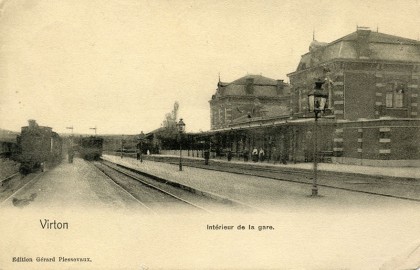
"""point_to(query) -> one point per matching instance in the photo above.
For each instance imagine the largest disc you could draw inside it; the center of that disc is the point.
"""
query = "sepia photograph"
(184, 134)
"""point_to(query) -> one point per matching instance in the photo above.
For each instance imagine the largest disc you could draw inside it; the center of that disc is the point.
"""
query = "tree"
(168, 134)
(171, 118)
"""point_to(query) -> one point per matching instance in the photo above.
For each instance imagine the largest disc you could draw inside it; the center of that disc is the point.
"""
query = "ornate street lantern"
(317, 98)
(181, 126)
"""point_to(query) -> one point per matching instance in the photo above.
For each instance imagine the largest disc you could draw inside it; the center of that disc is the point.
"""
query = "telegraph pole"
(94, 128)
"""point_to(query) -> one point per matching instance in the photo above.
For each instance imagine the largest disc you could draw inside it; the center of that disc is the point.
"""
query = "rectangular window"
(383, 135)
(398, 100)
(305, 103)
(388, 100)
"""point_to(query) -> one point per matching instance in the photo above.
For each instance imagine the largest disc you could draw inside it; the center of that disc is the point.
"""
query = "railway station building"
(373, 84)
(372, 80)
(242, 114)
(252, 96)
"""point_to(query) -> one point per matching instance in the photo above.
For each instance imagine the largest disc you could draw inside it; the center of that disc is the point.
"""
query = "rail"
(8, 178)
(152, 186)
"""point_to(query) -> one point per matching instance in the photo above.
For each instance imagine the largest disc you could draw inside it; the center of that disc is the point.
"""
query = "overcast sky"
(121, 65)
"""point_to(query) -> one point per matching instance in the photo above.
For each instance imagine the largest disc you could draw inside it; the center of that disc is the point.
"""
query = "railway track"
(352, 183)
(151, 196)
(8, 178)
(16, 186)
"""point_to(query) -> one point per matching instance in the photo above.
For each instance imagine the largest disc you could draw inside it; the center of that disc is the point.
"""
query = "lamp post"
(70, 150)
(141, 139)
(122, 146)
(317, 99)
(181, 129)
(71, 129)
(71, 133)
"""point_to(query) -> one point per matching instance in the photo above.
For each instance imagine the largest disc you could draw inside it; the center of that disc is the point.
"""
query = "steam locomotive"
(38, 147)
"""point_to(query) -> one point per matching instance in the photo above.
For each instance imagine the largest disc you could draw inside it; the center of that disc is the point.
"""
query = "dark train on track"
(38, 147)
(90, 148)
(8, 149)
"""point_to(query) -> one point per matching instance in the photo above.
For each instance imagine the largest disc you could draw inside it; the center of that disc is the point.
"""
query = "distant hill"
(7, 135)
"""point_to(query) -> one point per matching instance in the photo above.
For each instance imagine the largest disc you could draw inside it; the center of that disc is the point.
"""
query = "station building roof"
(252, 85)
(362, 44)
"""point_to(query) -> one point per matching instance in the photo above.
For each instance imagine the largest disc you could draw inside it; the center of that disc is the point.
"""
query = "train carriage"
(90, 148)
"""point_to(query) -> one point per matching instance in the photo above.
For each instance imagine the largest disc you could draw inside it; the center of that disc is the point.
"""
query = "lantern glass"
(322, 103)
(317, 100)
(311, 103)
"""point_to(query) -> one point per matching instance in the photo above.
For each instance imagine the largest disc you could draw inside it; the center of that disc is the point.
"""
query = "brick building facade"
(373, 84)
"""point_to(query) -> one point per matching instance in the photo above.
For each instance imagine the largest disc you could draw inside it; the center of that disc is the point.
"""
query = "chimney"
(363, 34)
(249, 87)
(280, 87)
(32, 123)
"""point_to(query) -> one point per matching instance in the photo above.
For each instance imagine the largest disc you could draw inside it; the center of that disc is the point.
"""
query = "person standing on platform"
(206, 156)
(255, 154)
(284, 157)
(246, 154)
(261, 155)
(229, 155)
(70, 155)
(275, 155)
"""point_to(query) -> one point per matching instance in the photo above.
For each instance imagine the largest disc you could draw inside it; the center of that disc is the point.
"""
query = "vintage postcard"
(182, 134)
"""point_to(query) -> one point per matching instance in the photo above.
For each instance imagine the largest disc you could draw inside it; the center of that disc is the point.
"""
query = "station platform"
(266, 192)
(397, 172)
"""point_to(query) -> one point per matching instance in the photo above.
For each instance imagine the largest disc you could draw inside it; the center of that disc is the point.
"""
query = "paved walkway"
(74, 185)
(403, 172)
